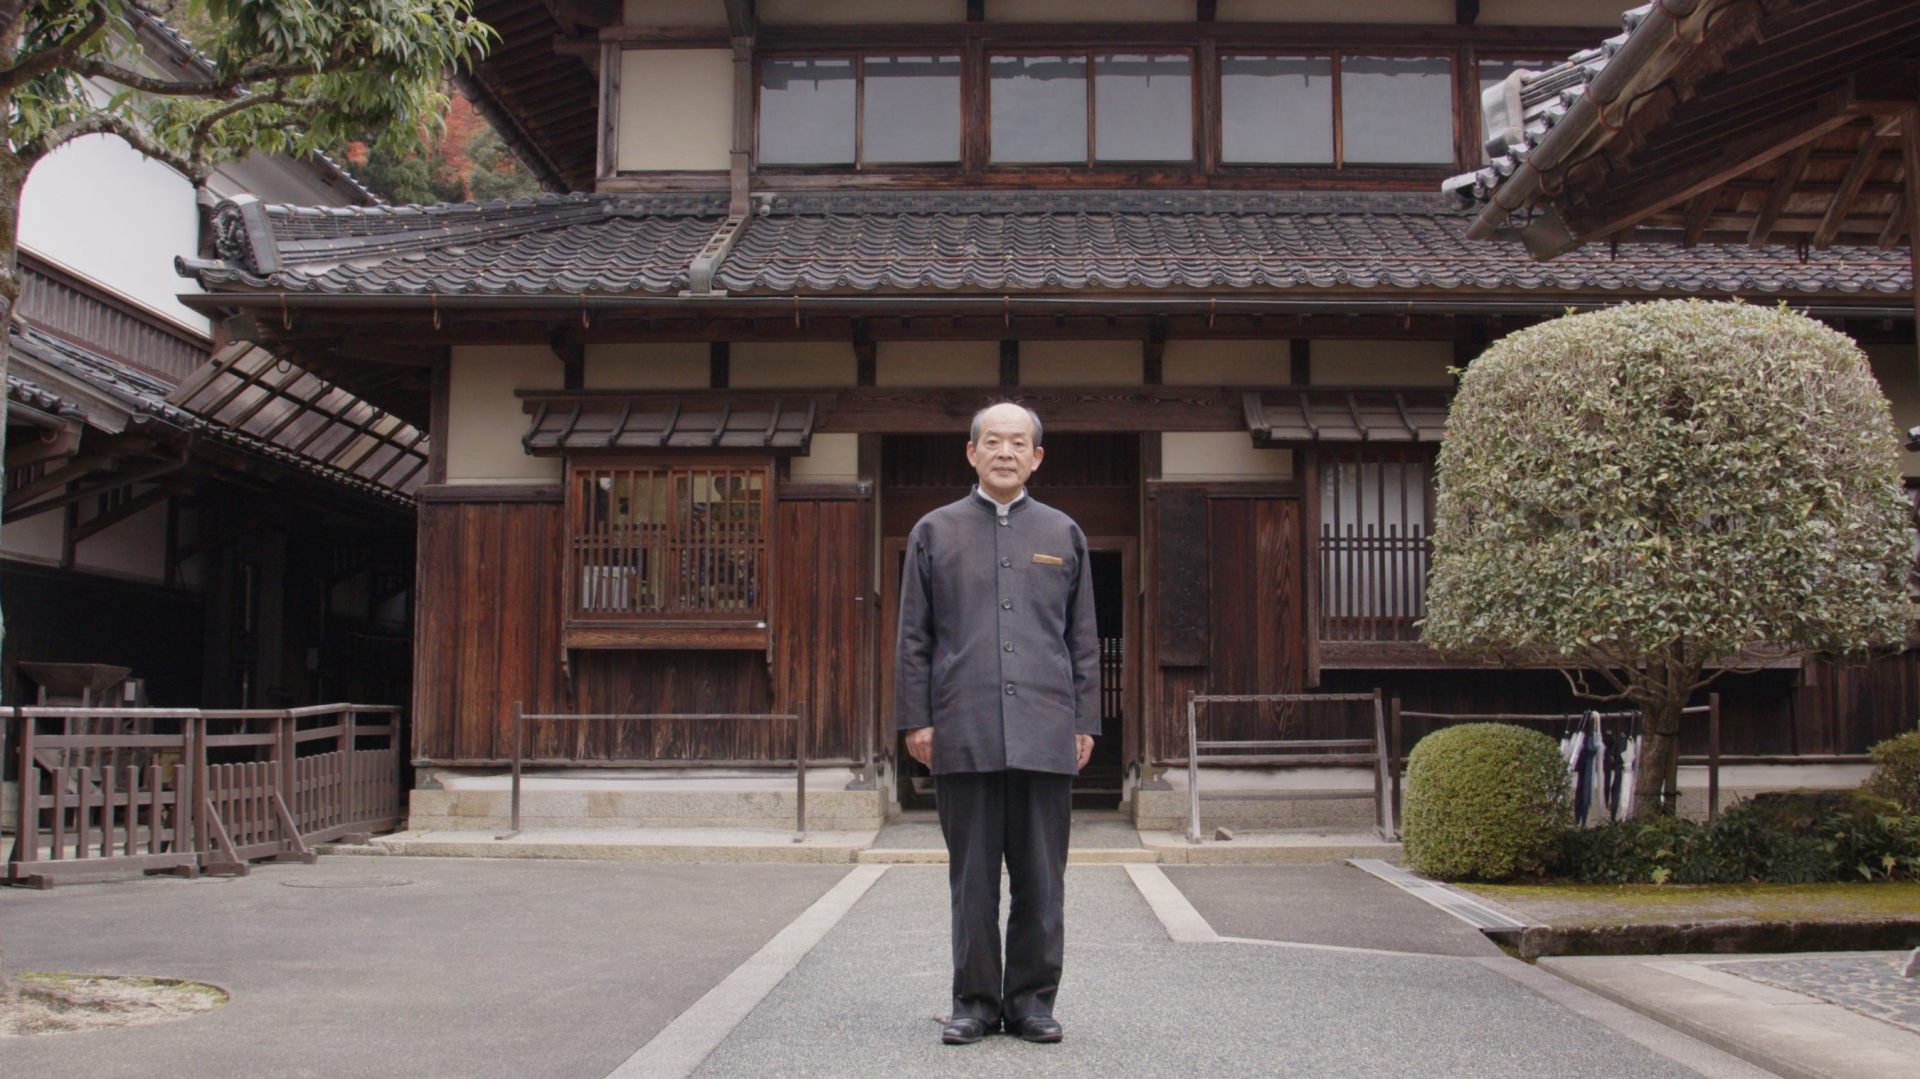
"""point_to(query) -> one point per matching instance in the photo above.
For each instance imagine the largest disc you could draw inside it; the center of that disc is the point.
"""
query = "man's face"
(1005, 455)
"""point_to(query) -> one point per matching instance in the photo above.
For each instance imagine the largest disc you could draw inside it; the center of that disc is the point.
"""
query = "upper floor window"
(1336, 109)
(860, 110)
(1079, 108)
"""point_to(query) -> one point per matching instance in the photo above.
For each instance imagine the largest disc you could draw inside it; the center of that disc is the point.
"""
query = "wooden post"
(518, 726)
(800, 773)
(1193, 773)
(1393, 759)
(1713, 755)
(283, 750)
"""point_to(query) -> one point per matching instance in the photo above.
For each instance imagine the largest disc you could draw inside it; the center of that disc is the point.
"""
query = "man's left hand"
(1082, 750)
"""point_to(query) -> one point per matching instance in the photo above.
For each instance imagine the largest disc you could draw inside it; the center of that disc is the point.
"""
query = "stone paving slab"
(1091, 831)
(707, 845)
(1871, 984)
(867, 1001)
(1315, 904)
(417, 967)
(1789, 1033)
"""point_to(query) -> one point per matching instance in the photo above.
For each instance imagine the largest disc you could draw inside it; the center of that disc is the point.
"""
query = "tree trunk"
(13, 177)
(1655, 783)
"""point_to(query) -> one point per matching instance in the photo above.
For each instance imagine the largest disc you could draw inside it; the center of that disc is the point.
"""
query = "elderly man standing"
(999, 695)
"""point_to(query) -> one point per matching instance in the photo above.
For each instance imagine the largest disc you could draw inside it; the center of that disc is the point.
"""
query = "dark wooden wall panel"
(1249, 635)
(817, 624)
(1181, 577)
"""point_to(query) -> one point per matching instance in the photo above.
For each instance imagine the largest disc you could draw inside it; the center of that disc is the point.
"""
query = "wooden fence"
(108, 791)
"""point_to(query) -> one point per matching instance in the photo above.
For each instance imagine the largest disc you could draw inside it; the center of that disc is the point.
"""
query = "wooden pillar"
(1910, 161)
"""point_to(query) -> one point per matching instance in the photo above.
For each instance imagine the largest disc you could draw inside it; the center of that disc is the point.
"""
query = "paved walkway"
(469, 967)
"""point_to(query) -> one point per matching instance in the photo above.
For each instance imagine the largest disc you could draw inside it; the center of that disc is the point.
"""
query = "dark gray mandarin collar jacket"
(998, 650)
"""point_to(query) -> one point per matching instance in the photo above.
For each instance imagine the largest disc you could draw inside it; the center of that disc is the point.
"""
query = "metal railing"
(115, 790)
(1368, 751)
(521, 718)
(1401, 751)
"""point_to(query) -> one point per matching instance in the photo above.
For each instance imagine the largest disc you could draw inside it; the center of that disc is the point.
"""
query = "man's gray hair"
(973, 432)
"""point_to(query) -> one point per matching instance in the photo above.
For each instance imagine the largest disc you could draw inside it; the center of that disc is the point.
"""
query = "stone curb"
(1719, 938)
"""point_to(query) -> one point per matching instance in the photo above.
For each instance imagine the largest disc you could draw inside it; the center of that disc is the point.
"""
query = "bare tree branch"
(61, 54)
(94, 68)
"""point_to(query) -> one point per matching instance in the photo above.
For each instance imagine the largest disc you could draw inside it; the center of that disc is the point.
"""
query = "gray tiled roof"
(981, 241)
(143, 400)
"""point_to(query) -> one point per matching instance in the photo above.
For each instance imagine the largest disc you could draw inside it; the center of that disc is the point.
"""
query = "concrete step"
(847, 847)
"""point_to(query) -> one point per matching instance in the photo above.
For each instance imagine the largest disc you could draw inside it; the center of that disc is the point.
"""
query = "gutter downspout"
(701, 271)
(1652, 35)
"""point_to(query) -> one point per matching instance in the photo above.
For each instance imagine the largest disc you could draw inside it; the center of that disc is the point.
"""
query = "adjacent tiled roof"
(987, 241)
(45, 362)
(1347, 416)
(616, 422)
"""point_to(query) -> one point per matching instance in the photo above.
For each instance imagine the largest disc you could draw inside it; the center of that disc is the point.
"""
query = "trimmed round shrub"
(1484, 801)
(1896, 772)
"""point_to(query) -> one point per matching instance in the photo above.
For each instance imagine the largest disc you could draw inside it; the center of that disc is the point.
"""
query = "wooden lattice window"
(1375, 547)
(668, 554)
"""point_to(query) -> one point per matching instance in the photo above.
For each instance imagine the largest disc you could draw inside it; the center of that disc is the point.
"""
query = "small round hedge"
(1484, 801)
(1896, 772)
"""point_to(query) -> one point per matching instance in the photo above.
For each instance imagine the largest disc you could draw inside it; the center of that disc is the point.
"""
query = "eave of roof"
(955, 244)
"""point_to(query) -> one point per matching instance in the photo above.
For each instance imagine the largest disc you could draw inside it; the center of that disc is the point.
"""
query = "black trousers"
(1023, 818)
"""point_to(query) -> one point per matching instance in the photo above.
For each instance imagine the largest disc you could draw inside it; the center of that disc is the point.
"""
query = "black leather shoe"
(1035, 1028)
(963, 1030)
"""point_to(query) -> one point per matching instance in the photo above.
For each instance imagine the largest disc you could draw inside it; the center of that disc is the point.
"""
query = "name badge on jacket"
(1049, 560)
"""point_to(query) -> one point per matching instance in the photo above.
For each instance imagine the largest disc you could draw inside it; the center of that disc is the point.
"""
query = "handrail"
(1711, 710)
(521, 718)
(1383, 821)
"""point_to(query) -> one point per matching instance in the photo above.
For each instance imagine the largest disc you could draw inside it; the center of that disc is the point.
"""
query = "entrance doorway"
(1093, 478)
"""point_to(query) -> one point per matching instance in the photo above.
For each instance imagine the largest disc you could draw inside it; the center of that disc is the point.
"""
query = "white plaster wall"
(485, 420)
(97, 208)
(34, 539)
(1345, 11)
(1898, 372)
(1080, 363)
(937, 363)
(1220, 455)
(1226, 363)
(680, 365)
(136, 547)
(1588, 13)
(832, 458)
(788, 365)
(676, 109)
(829, 12)
(1089, 11)
(676, 13)
(1381, 363)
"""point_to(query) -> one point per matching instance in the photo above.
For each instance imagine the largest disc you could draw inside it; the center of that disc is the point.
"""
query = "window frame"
(746, 628)
(859, 164)
(1455, 56)
(1194, 162)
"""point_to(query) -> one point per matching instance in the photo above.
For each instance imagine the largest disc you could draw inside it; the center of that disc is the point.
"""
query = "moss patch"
(1642, 904)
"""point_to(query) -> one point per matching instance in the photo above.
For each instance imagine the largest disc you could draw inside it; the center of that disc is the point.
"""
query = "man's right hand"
(920, 745)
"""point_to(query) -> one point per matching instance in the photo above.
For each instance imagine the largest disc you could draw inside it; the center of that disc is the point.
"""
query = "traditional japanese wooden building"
(684, 410)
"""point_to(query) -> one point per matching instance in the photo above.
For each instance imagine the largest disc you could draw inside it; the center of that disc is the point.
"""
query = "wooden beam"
(1842, 204)
(1466, 12)
(1730, 161)
(130, 508)
(866, 355)
(1010, 362)
(1299, 361)
(1896, 225)
(976, 10)
(1152, 353)
(1910, 164)
(595, 13)
(719, 365)
(1205, 10)
(608, 132)
(741, 21)
(1791, 168)
(1698, 212)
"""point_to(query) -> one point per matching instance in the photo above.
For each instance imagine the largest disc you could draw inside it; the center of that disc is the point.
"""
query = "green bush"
(1792, 837)
(1896, 772)
(1484, 801)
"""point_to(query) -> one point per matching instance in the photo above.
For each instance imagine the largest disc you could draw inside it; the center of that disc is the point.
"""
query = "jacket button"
(1005, 562)
(1007, 646)
(1006, 605)
(1003, 522)
(1009, 689)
